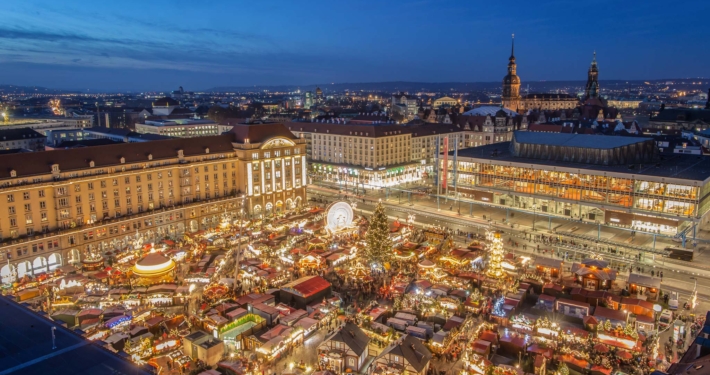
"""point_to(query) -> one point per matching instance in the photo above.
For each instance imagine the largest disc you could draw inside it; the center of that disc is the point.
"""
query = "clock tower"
(511, 83)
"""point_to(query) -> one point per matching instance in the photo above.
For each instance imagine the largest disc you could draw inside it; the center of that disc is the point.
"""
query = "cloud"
(48, 36)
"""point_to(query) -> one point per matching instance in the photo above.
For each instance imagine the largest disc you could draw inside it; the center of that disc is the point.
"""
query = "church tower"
(592, 88)
(511, 83)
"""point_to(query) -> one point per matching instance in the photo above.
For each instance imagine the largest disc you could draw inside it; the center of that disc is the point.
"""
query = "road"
(679, 276)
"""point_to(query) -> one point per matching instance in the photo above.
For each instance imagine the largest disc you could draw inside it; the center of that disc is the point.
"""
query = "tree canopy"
(379, 244)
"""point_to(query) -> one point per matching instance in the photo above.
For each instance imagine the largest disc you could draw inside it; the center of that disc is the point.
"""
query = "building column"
(293, 172)
(283, 175)
(263, 185)
(273, 176)
(250, 183)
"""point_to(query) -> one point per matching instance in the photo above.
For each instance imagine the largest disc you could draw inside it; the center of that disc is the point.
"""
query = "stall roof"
(609, 314)
(600, 273)
(548, 262)
(307, 286)
(643, 280)
(305, 323)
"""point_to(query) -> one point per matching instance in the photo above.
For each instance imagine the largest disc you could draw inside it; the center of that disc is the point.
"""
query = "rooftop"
(686, 167)
(179, 122)
(373, 130)
(19, 134)
(577, 140)
(27, 348)
(260, 132)
(39, 163)
(489, 111)
(306, 286)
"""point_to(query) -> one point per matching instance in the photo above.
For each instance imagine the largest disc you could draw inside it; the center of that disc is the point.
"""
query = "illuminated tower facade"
(592, 88)
(511, 83)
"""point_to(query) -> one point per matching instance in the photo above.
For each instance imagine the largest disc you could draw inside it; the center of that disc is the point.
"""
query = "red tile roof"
(258, 133)
(37, 163)
(307, 286)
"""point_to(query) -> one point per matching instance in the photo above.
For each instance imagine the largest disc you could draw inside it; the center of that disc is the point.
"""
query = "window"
(103, 184)
(91, 186)
(28, 208)
(13, 222)
(267, 155)
(43, 216)
(41, 193)
(255, 156)
(26, 195)
(10, 198)
(77, 188)
(28, 219)
(127, 180)
(11, 210)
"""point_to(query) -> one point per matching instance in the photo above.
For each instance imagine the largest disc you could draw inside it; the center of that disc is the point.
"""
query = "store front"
(354, 177)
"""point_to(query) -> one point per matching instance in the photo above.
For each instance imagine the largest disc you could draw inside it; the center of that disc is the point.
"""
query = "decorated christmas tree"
(379, 244)
(607, 325)
(495, 256)
(563, 369)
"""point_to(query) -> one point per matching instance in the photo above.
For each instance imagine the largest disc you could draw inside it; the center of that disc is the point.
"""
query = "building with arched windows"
(60, 207)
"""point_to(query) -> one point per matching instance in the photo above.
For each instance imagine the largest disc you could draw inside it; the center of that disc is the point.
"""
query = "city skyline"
(162, 45)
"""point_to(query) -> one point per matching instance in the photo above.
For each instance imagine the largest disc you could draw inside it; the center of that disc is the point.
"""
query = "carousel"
(154, 268)
(92, 262)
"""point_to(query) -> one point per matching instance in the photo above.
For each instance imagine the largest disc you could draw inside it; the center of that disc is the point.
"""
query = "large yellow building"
(58, 206)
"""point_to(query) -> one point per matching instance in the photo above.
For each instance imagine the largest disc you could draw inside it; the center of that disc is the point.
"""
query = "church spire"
(592, 87)
(512, 48)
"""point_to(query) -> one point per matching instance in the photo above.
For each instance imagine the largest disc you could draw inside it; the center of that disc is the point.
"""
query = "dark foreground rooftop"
(26, 348)
(669, 165)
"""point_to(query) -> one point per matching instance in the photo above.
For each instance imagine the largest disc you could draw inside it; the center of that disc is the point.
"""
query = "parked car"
(665, 319)
(673, 301)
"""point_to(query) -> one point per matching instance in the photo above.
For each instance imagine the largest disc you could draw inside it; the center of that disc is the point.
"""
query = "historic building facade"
(60, 206)
(511, 98)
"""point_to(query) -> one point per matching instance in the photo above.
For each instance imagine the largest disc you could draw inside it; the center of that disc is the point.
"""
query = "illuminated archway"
(24, 268)
(6, 274)
(39, 265)
(277, 142)
(54, 261)
(74, 256)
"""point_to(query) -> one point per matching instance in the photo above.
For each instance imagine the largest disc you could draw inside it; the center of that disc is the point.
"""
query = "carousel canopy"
(153, 264)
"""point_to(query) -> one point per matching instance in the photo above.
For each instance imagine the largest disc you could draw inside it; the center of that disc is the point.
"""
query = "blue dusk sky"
(157, 45)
